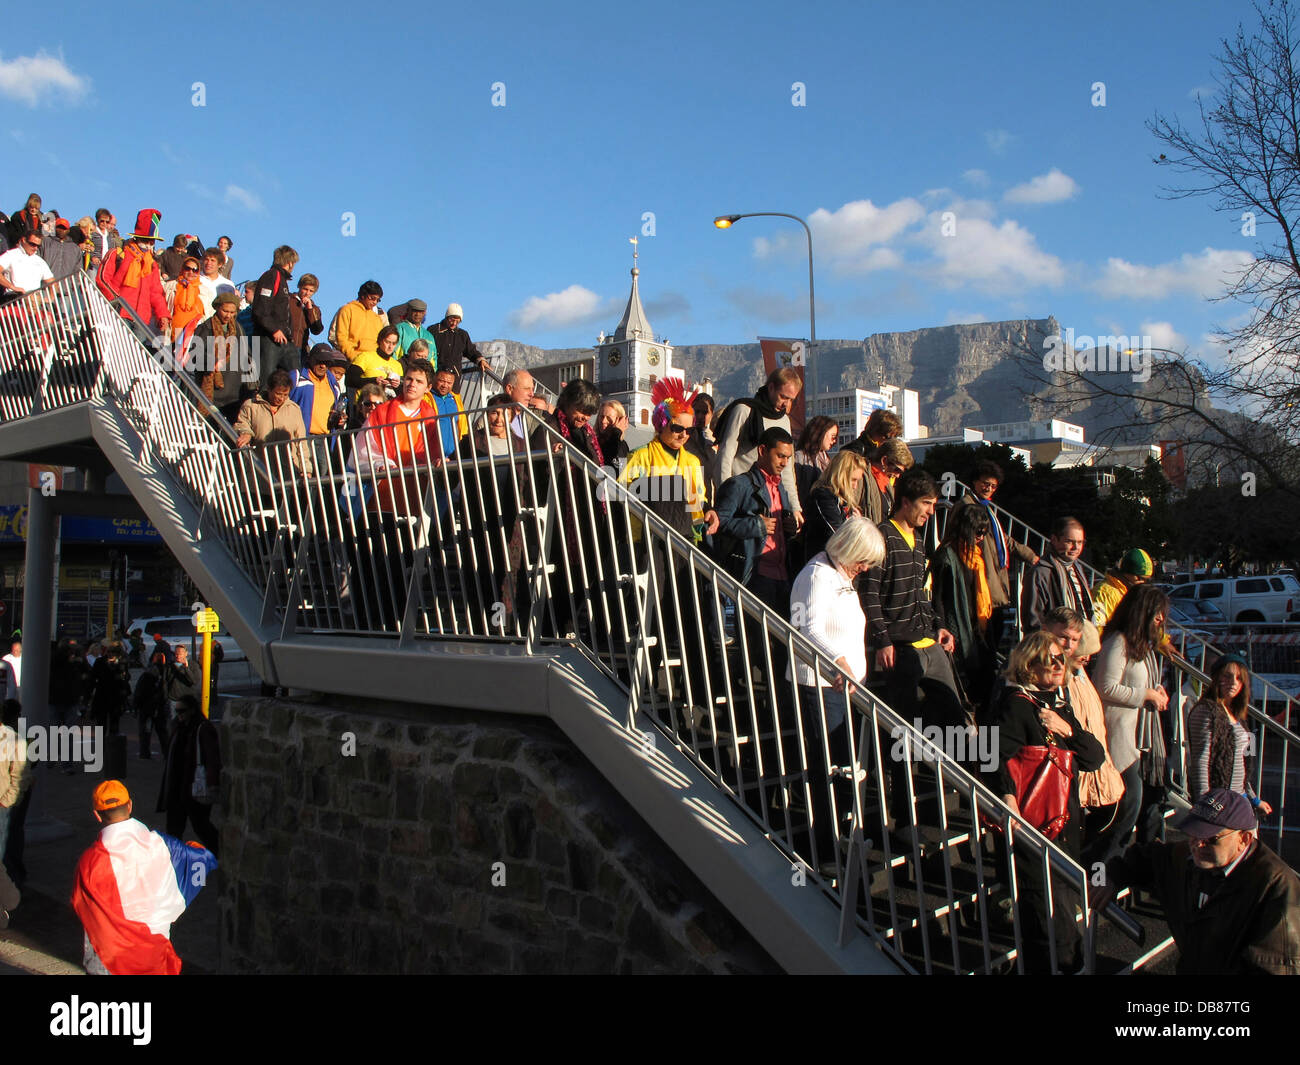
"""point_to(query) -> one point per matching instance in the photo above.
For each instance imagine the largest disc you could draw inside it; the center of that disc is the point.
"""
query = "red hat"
(62, 223)
(147, 224)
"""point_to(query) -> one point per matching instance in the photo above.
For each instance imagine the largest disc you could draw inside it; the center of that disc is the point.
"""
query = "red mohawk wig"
(670, 399)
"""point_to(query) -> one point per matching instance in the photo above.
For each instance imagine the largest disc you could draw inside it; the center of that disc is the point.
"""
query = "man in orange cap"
(126, 893)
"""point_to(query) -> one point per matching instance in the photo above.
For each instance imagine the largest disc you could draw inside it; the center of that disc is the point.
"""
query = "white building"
(852, 408)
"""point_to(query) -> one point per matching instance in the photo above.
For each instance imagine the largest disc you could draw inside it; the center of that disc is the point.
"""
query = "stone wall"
(410, 840)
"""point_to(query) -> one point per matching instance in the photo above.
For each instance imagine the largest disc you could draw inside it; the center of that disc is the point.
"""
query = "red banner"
(779, 353)
(1173, 461)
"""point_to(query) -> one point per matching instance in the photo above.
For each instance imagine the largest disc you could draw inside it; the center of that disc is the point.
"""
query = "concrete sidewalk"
(44, 936)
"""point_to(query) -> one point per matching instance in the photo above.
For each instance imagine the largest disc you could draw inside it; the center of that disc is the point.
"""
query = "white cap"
(454, 311)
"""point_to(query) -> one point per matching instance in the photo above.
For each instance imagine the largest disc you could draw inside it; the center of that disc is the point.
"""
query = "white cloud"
(573, 306)
(235, 196)
(978, 178)
(1052, 187)
(1202, 90)
(964, 317)
(991, 257)
(850, 238)
(1163, 335)
(998, 140)
(40, 79)
(1204, 274)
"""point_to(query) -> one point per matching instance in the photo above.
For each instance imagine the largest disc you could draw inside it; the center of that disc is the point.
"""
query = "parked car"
(180, 627)
(1196, 613)
(1270, 598)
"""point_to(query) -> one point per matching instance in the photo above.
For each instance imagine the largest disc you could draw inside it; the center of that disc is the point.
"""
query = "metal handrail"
(404, 548)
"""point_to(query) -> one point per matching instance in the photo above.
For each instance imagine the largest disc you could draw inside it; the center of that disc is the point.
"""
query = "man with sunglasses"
(1233, 906)
(62, 254)
(22, 269)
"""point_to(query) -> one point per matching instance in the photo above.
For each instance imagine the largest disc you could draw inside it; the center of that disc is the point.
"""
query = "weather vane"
(633, 241)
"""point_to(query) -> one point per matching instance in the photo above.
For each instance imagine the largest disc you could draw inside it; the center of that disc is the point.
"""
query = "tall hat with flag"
(147, 225)
(670, 398)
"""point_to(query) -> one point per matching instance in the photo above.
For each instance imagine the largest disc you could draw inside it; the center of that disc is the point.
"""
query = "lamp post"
(725, 221)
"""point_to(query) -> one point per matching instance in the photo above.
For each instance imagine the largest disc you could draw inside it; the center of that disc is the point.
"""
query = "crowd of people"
(830, 537)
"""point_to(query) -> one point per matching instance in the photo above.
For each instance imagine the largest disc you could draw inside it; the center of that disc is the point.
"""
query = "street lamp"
(725, 221)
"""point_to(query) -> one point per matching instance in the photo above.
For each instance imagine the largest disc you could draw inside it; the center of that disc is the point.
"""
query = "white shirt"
(14, 678)
(826, 604)
(24, 270)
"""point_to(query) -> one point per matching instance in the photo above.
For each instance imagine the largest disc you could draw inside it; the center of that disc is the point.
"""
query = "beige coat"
(268, 426)
(1104, 786)
(15, 770)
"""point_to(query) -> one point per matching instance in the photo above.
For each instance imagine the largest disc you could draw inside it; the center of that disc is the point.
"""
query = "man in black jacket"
(1232, 905)
(272, 322)
(910, 647)
(194, 744)
(456, 352)
(182, 679)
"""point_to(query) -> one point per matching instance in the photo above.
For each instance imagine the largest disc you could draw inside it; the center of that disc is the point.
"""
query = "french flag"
(127, 898)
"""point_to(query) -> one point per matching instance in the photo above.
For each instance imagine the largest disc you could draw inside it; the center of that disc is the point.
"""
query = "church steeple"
(634, 324)
(630, 360)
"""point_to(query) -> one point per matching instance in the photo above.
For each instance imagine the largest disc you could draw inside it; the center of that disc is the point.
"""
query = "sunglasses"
(32, 243)
(679, 430)
(190, 270)
(367, 404)
(1211, 840)
(1054, 660)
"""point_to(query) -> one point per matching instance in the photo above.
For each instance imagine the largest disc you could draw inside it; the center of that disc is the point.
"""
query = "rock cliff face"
(976, 374)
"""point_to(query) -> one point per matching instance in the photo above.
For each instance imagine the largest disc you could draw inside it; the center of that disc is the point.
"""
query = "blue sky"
(522, 212)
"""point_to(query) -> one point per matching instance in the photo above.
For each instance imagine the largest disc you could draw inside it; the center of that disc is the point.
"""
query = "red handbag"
(1042, 776)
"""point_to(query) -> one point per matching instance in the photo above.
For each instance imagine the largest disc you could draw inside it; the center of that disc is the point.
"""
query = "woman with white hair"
(824, 606)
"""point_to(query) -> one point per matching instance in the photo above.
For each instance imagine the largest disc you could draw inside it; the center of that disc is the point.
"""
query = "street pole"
(724, 222)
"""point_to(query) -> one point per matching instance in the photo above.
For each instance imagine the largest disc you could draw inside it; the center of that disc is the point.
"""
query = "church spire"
(634, 325)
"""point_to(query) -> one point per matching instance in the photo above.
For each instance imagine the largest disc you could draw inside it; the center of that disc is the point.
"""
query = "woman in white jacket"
(824, 606)
(1127, 677)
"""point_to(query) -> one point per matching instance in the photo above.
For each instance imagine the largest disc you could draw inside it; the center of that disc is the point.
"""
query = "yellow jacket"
(372, 364)
(657, 467)
(357, 330)
(1105, 598)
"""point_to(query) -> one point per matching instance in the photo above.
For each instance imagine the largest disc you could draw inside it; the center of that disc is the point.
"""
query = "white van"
(1271, 598)
(179, 628)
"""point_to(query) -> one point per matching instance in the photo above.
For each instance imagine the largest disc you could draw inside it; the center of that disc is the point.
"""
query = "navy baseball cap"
(1216, 811)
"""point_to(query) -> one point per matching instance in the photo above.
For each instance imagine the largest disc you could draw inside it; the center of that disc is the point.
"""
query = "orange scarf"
(141, 266)
(883, 480)
(973, 560)
(186, 302)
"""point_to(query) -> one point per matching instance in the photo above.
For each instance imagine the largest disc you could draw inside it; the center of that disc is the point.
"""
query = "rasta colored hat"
(147, 224)
(110, 795)
(670, 399)
(1138, 563)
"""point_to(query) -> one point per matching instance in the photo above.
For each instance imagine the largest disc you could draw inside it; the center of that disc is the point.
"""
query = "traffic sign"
(207, 621)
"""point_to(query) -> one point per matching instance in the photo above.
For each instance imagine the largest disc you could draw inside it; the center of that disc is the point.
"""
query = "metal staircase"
(519, 579)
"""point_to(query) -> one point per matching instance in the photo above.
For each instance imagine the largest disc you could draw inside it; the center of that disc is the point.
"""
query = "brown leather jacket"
(1250, 924)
